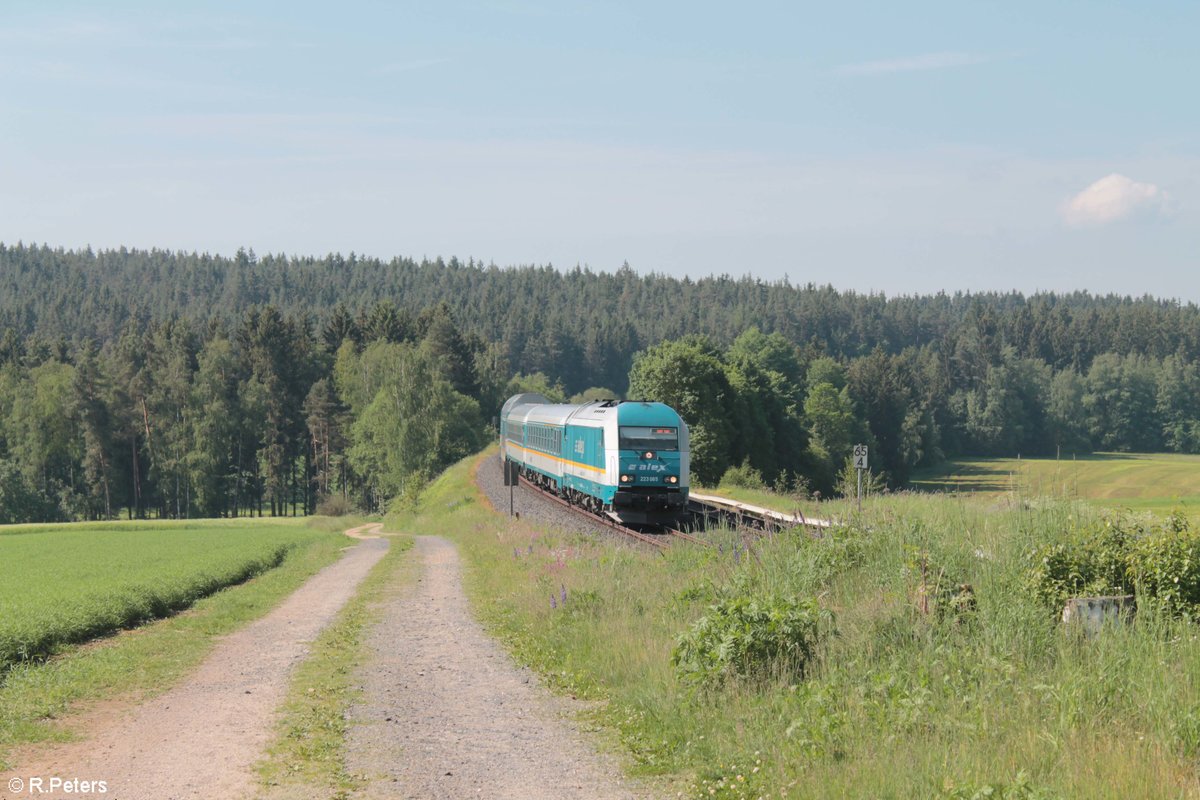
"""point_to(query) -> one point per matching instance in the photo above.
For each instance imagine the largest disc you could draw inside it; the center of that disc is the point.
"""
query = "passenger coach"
(627, 459)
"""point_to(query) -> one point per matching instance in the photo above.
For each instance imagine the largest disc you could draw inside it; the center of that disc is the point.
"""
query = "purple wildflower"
(564, 593)
(721, 548)
(553, 602)
(531, 549)
(737, 556)
(516, 553)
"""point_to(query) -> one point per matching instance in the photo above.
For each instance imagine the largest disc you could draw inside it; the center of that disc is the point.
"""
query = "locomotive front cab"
(652, 464)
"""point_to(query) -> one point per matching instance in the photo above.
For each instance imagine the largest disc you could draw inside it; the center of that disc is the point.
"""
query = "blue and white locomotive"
(626, 459)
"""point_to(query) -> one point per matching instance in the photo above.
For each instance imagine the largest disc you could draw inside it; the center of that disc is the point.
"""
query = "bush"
(847, 481)
(751, 637)
(1089, 562)
(1161, 564)
(744, 476)
(334, 506)
(1165, 565)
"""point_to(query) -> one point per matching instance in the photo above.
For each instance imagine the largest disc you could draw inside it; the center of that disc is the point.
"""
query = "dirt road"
(201, 738)
(446, 714)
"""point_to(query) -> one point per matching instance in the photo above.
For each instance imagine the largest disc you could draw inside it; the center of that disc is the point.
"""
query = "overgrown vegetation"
(1157, 563)
(751, 637)
(946, 677)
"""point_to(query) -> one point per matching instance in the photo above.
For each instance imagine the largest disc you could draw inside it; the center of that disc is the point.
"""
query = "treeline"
(579, 325)
(792, 414)
(220, 385)
(270, 415)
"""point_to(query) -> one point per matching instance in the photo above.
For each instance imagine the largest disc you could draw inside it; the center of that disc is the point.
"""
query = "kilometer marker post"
(860, 464)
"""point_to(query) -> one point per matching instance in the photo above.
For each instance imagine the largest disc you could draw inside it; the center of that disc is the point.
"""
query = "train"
(627, 459)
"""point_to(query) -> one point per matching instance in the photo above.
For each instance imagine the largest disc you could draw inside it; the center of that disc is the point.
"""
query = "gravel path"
(201, 738)
(489, 476)
(446, 714)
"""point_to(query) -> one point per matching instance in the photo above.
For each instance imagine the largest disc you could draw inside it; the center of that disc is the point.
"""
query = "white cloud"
(1113, 198)
(927, 61)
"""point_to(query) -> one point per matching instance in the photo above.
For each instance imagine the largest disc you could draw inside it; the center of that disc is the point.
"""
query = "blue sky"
(895, 147)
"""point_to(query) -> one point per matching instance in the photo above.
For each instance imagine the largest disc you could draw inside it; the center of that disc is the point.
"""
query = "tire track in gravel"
(201, 738)
(446, 714)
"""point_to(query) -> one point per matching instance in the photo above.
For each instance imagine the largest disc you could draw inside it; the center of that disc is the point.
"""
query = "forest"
(137, 382)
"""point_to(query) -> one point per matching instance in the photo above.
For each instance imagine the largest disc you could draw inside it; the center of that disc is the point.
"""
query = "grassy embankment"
(307, 758)
(68, 583)
(899, 703)
(1158, 482)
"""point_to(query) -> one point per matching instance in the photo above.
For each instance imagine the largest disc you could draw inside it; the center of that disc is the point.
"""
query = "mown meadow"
(923, 655)
(1158, 482)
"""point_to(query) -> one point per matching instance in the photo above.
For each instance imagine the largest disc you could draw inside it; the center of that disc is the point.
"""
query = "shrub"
(847, 481)
(744, 476)
(751, 637)
(334, 506)
(1090, 562)
(1161, 564)
(1165, 565)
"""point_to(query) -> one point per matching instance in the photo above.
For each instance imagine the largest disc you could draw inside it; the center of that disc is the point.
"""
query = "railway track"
(646, 539)
(744, 515)
(704, 509)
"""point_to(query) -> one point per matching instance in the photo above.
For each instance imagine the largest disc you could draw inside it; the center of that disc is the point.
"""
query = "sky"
(876, 146)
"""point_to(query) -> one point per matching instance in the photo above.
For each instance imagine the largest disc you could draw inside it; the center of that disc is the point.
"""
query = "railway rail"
(704, 508)
(745, 515)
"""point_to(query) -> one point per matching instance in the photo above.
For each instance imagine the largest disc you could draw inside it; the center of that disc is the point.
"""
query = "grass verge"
(944, 678)
(37, 700)
(307, 758)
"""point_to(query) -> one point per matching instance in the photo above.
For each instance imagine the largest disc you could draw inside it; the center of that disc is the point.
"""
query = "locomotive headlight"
(672, 479)
(626, 478)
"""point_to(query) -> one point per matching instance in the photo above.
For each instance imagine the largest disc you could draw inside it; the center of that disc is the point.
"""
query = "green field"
(1150, 481)
(66, 584)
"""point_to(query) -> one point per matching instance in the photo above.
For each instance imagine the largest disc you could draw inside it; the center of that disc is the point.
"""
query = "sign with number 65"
(860, 456)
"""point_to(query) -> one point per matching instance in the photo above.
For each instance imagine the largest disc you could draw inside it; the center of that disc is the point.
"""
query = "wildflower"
(531, 548)
(564, 594)
(737, 556)
(516, 553)
(553, 602)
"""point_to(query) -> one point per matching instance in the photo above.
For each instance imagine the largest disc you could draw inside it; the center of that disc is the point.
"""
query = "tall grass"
(945, 677)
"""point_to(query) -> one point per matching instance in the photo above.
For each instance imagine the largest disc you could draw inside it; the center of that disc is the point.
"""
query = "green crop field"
(65, 584)
(1155, 481)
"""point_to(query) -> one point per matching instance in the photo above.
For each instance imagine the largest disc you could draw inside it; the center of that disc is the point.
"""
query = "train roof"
(532, 407)
(637, 412)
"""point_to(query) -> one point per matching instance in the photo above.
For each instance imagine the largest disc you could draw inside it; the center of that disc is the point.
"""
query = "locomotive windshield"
(648, 438)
